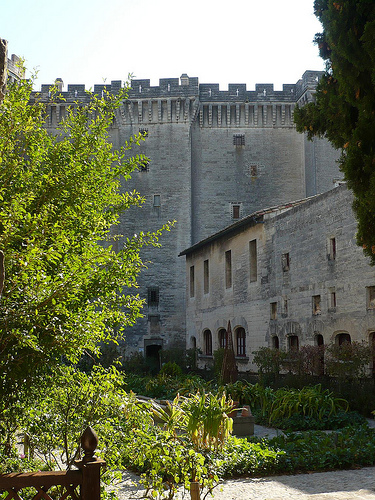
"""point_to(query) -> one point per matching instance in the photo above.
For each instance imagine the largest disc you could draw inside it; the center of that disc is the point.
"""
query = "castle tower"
(215, 157)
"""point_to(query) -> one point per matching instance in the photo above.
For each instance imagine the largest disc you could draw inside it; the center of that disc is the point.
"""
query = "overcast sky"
(91, 41)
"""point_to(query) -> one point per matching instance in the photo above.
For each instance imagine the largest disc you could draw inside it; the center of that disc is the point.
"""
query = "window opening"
(253, 260)
(285, 262)
(275, 342)
(273, 310)
(332, 248)
(239, 139)
(192, 281)
(343, 338)
(241, 341)
(316, 306)
(207, 337)
(222, 338)
(228, 269)
(153, 296)
(293, 343)
(206, 277)
(370, 297)
(236, 211)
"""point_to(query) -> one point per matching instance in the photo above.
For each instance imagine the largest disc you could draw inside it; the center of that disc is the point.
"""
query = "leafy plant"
(348, 360)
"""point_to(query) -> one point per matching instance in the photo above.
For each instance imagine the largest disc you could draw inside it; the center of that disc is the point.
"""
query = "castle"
(215, 157)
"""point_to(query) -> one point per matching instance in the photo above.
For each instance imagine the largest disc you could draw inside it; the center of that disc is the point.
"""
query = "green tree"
(344, 109)
(66, 288)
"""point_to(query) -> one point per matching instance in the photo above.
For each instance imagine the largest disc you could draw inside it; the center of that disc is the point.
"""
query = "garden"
(183, 433)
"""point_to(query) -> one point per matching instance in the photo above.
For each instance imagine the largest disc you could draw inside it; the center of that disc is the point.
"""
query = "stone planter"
(243, 426)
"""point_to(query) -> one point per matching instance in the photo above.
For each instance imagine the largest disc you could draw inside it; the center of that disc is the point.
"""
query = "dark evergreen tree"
(344, 109)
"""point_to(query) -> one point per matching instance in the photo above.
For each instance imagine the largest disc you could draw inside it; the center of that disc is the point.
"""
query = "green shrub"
(171, 369)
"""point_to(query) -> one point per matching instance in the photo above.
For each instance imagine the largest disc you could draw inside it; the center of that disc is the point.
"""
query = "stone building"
(284, 277)
(214, 157)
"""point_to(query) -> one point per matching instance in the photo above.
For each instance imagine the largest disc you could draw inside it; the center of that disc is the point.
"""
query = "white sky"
(89, 41)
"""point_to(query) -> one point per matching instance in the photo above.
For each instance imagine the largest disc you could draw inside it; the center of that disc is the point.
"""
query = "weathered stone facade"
(297, 277)
(215, 157)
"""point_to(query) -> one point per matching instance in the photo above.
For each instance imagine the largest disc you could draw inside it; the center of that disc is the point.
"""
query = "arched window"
(207, 339)
(319, 340)
(222, 338)
(293, 343)
(275, 342)
(343, 338)
(193, 342)
(241, 341)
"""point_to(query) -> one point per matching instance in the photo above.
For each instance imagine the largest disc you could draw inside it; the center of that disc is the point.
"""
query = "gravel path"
(336, 485)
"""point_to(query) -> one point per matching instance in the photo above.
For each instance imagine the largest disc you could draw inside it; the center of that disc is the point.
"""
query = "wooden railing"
(81, 484)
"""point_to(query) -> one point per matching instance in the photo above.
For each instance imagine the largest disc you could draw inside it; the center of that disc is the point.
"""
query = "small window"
(316, 305)
(153, 296)
(370, 297)
(241, 342)
(222, 338)
(207, 339)
(275, 342)
(273, 310)
(253, 170)
(206, 276)
(228, 269)
(239, 139)
(236, 210)
(285, 307)
(253, 260)
(332, 298)
(157, 204)
(285, 262)
(332, 249)
(192, 281)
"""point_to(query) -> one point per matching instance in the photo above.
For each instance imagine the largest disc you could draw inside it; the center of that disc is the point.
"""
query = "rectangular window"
(370, 297)
(192, 282)
(157, 200)
(239, 139)
(273, 310)
(253, 260)
(228, 269)
(316, 306)
(285, 262)
(236, 210)
(332, 248)
(153, 296)
(332, 298)
(206, 277)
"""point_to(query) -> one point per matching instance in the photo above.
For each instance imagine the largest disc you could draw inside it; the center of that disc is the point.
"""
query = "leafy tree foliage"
(66, 288)
(344, 110)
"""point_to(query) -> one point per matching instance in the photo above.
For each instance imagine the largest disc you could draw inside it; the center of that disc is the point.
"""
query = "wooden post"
(90, 466)
(194, 491)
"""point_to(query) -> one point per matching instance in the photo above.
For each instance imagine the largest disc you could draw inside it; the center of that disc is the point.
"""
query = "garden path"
(356, 484)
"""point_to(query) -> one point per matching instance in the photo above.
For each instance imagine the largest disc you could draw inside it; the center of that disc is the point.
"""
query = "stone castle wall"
(214, 155)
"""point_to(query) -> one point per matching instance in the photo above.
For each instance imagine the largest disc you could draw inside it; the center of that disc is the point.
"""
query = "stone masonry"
(215, 157)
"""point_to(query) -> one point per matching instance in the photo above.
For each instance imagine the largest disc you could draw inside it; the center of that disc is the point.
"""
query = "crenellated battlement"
(186, 86)
(185, 100)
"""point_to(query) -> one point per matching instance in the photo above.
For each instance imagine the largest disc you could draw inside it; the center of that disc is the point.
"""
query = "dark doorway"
(153, 358)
